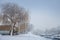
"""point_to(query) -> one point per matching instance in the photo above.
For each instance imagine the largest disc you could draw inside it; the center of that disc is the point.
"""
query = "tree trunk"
(11, 30)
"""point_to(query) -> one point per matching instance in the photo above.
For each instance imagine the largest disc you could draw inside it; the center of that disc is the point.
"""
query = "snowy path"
(23, 37)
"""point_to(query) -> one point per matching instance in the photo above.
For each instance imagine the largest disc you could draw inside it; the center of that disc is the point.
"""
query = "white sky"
(44, 13)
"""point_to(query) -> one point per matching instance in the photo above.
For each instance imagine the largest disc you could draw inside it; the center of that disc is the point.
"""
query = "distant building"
(22, 27)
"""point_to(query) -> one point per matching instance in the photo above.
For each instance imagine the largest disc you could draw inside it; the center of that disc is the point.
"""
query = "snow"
(28, 36)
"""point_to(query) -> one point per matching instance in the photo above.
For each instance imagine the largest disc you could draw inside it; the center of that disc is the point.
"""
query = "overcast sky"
(44, 13)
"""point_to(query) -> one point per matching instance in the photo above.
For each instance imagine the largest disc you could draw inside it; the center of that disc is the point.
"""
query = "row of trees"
(53, 31)
(48, 32)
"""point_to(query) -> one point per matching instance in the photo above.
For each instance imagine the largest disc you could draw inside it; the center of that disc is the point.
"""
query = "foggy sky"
(44, 13)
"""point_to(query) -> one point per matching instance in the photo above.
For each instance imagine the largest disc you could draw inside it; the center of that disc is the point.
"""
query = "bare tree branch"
(14, 14)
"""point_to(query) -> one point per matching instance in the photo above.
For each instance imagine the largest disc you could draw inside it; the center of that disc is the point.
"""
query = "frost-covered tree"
(13, 14)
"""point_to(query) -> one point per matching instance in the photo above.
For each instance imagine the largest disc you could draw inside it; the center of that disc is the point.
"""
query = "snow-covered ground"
(28, 36)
